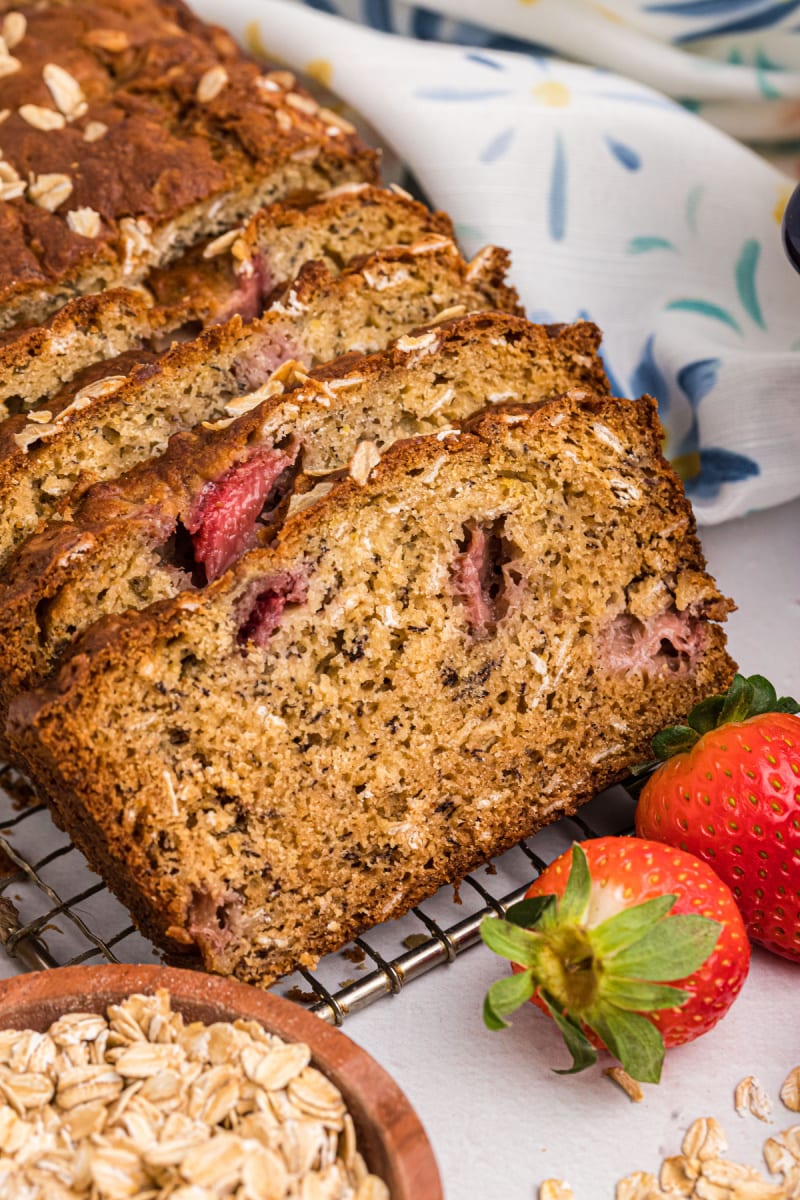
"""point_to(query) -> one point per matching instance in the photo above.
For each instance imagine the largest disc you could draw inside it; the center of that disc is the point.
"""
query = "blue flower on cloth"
(617, 202)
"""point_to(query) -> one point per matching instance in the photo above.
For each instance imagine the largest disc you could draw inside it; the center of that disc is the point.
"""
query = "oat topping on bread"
(179, 521)
(244, 268)
(135, 130)
(424, 667)
(317, 317)
(238, 271)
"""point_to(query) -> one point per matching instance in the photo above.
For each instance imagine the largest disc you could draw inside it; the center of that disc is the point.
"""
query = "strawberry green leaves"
(627, 927)
(583, 1052)
(510, 941)
(632, 1039)
(578, 892)
(746, 697)
(528, 913)
(602, 979)
(638, 995)
(678, 946)
(505, 996)
(677, 739)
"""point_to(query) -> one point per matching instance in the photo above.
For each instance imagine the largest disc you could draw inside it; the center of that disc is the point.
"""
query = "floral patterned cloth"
(618, 203)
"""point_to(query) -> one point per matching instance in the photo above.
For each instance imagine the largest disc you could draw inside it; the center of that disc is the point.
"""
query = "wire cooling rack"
(54, 911)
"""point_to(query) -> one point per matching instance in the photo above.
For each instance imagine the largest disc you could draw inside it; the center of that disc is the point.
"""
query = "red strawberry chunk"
(272, 348)
(223, 518)
(470, 573)
(213, 921)
(488, 576)
(265, 609)
(668, 642)
(247, 298)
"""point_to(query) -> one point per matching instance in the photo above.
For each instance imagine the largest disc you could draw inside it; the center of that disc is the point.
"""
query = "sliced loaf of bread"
(132, 131)
(108, 425)
(426, 666)
(179, 521)
(233, 274)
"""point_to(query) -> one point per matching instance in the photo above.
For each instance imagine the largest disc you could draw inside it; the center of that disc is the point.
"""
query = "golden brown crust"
(502, 761)
(153, 126)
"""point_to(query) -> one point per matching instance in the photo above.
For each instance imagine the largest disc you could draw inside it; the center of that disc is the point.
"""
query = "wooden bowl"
(390, 1135)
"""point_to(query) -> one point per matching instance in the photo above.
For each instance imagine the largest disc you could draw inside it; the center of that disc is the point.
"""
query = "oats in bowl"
(140, 1103)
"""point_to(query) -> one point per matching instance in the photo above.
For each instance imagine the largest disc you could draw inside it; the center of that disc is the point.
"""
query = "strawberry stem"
(605, 978)
(745, 698)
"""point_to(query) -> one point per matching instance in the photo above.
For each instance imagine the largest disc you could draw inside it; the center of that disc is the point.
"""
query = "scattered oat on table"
(641, 1185)
(705, 1138)
(631, 1086)
(142, 1106)
(702, 1173)
(555, 1189)
(751, 1097)
(790, 1090)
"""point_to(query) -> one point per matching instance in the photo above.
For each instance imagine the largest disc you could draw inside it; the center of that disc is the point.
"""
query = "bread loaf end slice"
(125, 145)
(423, 669)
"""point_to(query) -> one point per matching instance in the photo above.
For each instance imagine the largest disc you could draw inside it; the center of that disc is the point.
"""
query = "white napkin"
(617, 204)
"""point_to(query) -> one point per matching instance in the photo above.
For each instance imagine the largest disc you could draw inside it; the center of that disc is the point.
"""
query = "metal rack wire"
(55, 912)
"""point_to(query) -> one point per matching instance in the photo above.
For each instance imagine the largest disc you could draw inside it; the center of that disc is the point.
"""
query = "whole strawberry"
(729, 792)
(626, 944)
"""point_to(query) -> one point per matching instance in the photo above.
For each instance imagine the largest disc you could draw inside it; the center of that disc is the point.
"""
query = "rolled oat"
(140, 1105)
(790, 1090)
(751, 1097)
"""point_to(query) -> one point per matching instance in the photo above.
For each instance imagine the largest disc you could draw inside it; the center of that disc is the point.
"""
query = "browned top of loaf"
(163, 486)
(148, 112)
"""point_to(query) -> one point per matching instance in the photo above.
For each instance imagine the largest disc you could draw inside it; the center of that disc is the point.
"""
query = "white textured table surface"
(500, 1121)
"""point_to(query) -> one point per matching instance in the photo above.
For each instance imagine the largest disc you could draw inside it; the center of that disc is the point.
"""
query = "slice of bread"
(36, 362)
(180, 520)
(133, 131)
(236, 273)
(232, 274)
(423, 669)
(109, 425)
